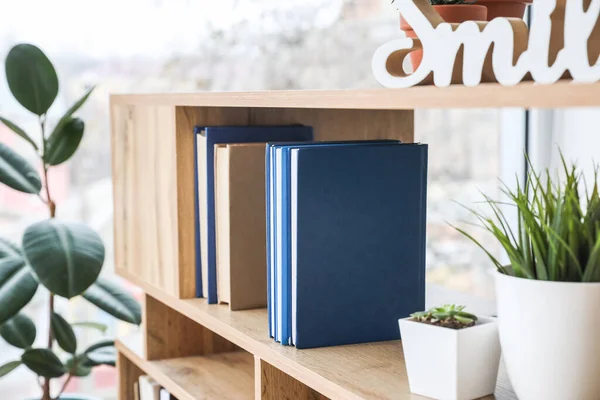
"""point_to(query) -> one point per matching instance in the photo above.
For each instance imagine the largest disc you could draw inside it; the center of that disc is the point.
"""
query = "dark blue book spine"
(197, 222)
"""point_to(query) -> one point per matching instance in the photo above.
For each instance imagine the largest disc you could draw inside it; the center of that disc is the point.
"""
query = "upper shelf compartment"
(490, 95)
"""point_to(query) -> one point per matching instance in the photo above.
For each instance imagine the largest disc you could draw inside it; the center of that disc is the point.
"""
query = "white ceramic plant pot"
(451, 364)
(549, 332)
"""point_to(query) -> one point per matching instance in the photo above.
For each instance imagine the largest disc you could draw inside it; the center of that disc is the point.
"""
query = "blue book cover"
(282, 287)
(358, 241)
(236, 134)
(197, 225)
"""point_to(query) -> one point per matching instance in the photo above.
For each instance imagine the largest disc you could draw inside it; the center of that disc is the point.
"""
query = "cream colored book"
(241, 225)
(203, 208)
(149, 388)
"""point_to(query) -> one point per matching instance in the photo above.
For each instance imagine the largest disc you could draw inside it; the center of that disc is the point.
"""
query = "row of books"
(230, 211)
(345, 240)
(147, 388)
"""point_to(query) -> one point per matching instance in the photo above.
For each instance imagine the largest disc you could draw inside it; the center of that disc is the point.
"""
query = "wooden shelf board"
(218, 376)
(370, 370)
(489, 95)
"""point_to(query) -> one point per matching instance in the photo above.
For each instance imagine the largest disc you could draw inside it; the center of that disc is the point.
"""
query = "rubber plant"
(63, 257)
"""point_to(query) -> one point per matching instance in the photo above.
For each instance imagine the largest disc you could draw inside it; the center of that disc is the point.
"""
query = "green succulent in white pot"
(554, 270)
(62, 258)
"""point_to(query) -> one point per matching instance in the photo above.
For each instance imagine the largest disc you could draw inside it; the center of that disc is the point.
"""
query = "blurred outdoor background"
(131, 46)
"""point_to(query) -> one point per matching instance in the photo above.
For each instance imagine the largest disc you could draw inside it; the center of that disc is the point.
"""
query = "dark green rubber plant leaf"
(106, 356)
(65, 118)
(43, 362)
(63, 333)
(19, 331)
(66, 256)
(62, 144)
(8, 367)
(110, 297)
(9, 249)
(31, 78)
(18, 130)
(77, 366)
(17, 173)
(17, 287)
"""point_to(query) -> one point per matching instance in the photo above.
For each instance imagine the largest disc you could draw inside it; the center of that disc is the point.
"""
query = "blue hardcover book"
(282, 289)
(235, 134)
(357, 241)
(197, 225)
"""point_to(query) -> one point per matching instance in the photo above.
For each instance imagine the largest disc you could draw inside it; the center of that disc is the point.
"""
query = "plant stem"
(64, 386)
(52, 210)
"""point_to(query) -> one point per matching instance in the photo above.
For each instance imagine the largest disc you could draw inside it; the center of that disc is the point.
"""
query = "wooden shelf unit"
(153, 169)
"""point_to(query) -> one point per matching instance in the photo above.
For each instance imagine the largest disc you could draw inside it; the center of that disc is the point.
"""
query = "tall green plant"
(557, 237)
(64, 257)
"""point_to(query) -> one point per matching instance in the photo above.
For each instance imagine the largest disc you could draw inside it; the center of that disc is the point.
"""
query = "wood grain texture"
(228, 376)
(490, 95)
(144, 183)
(169, 334)
(273, 384)
(362, 371)
(128, 374)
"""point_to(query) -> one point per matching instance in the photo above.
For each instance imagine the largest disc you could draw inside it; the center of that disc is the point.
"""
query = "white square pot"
(451, 364)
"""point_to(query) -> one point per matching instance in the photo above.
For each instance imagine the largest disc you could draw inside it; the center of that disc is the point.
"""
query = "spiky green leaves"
(555, 239)
(67, 257)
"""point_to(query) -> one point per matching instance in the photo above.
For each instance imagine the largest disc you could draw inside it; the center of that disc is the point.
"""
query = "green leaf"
(9, 249)
(16, 129)
(62, 144)
(8, 367)
(66, 256)
(65, 118)
(31, 78)
(100, 345)
(94, 325)
(19, 331)
(63, 333)
(111, 298)
(43, 362)
(17, 173)
(106, 356)
(78, 366)
(17, 287)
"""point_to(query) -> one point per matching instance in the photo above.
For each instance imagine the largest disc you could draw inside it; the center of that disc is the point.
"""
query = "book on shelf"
(149, 388)
(240, 225)
(165, 395)
(205, 140)
(348, 255)
(136, 390)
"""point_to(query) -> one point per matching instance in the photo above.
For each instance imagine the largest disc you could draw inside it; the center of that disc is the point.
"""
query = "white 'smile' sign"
(564, 41)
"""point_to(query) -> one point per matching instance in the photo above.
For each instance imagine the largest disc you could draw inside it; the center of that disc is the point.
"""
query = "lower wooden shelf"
(217, 376)
(360, 371)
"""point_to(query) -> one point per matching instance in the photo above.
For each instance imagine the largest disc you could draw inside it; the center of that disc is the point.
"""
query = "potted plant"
(452, 11)
(450, 354)
(554, 254)
(505, 8)
(64, 258)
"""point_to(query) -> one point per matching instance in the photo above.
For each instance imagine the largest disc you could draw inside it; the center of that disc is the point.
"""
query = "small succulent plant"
(448, 316)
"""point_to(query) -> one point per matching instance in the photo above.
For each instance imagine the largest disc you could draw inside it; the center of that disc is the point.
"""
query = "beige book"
(241, 225)
(136, 391)
(149, 388)
(203, 208)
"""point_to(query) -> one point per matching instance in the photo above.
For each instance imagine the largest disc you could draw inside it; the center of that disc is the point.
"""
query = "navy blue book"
(279, 225)
(232, 134)
(357, 241)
